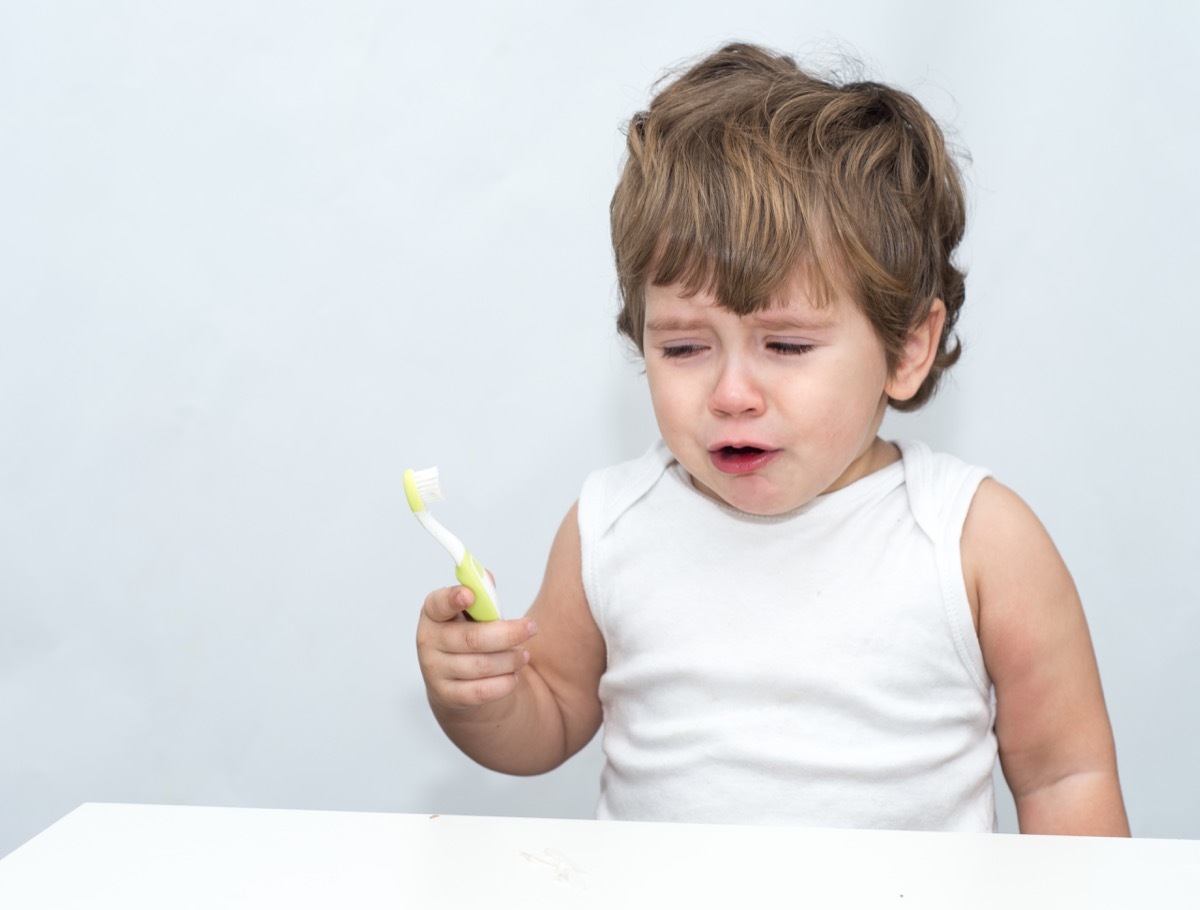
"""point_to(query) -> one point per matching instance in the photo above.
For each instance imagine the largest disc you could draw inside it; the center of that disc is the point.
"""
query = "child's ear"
(917, 357)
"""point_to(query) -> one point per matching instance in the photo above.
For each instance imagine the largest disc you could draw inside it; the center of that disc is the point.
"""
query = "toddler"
(780, 617)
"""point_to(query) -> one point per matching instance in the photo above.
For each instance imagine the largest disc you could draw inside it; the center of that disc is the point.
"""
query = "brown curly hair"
(746, 167)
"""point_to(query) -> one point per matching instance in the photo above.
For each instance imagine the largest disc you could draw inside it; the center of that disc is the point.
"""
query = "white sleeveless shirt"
(818, 668)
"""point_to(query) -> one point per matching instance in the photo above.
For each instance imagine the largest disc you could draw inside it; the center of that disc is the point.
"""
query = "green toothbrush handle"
(470, 573)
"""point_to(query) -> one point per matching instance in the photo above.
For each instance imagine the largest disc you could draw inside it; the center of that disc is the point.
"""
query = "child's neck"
(878, 455)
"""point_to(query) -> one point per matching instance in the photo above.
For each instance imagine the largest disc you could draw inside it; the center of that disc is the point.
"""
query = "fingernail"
(532, 627)
(526, 656)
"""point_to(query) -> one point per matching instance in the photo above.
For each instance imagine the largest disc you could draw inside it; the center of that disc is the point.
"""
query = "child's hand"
(513, 704)
(468, 664)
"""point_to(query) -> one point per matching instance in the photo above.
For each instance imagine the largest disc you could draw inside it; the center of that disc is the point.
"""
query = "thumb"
(447, 604)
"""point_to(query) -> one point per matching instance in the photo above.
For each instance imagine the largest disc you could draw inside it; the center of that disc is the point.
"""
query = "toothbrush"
(422, 486)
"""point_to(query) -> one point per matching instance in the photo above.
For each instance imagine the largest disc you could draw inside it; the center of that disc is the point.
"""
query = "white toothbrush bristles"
(428, 489)
(428, 486)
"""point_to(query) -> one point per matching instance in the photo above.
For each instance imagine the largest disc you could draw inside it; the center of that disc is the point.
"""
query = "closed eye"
(789, 347)
(676, 351)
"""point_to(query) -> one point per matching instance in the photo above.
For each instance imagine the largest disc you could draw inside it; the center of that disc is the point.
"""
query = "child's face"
(768, 410)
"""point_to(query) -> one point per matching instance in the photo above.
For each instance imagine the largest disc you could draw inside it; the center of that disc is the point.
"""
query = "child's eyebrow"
(674, 324)
(777, 323)
(774, 323)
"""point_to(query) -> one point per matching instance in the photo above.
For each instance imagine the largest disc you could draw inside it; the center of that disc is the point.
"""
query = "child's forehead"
(795, 306)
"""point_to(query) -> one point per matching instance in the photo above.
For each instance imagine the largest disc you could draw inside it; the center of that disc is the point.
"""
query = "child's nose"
(737, 392)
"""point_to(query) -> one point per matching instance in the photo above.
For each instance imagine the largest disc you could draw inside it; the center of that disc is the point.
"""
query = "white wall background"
(258, 257)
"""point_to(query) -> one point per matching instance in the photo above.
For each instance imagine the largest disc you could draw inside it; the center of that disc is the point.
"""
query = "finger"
(446, 604)
(468, 667)
(476, 692)
(487, 637)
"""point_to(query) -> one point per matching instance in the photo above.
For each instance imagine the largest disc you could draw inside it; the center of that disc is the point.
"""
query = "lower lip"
(732, 462)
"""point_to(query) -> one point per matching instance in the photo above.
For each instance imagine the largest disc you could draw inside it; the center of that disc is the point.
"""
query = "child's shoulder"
(941, 486)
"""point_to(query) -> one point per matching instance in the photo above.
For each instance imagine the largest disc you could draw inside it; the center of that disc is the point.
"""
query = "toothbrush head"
(421, 487)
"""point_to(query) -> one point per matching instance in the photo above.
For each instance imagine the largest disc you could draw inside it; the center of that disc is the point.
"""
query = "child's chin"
(753, 502)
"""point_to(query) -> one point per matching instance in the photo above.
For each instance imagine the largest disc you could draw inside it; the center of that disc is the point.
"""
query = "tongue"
(739, 459)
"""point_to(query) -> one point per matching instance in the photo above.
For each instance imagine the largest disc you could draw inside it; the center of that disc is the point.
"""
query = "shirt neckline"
(844, 499)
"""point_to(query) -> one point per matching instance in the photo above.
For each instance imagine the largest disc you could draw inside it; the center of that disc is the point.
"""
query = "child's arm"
(1056, 744)
(509, 715)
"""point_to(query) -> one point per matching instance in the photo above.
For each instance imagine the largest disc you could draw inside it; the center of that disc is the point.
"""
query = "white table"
(131, 857)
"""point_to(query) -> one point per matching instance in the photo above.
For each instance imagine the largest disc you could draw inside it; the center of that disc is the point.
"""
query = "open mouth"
(740, 459)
